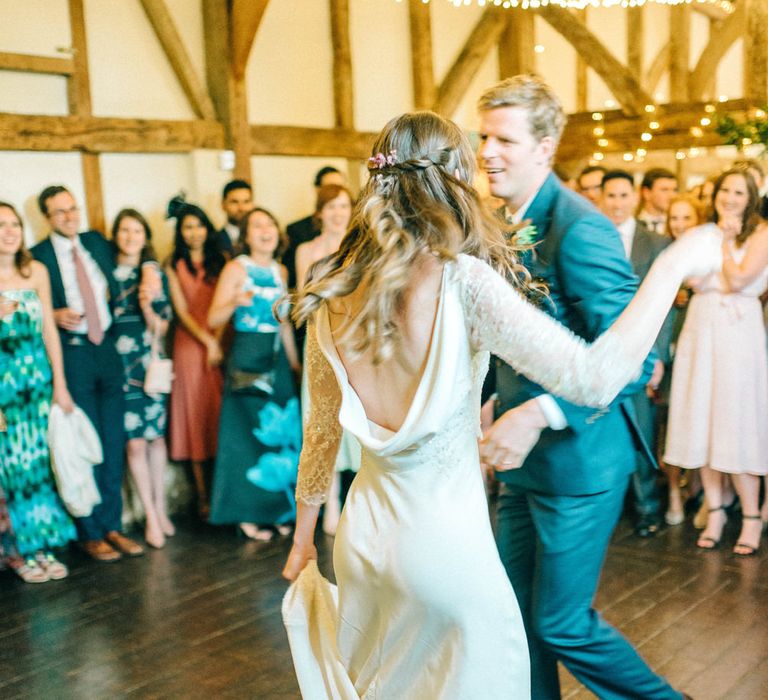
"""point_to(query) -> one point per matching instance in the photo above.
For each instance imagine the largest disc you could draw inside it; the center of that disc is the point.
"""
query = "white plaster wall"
(290, 68)
(130, 75)
(383, 85)
(25, 175)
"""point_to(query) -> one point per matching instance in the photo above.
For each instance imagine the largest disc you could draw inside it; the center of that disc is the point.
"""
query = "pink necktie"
(95, 331)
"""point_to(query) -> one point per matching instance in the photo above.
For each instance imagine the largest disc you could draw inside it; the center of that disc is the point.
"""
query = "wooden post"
(516, 54)
(582, 74)
(424, 90)
(343, 86)
(229, 37)
(756, 51)
(79, 97)
(635, 41)
(680, 52)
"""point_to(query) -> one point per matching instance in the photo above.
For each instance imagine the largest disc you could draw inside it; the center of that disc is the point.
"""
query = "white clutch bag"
(159, 375)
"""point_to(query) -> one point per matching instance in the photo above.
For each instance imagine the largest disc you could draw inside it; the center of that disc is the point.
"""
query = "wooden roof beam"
(617, 77)
(717, 46)
(245, 18)
(481, 40)
(165, 30)
(27, 63)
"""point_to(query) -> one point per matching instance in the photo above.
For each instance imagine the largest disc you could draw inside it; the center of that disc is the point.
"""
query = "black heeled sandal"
(752, 550)
(713, 543)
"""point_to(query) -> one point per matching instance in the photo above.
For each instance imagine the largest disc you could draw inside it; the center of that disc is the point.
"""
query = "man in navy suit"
(80, 266)
(641, 246)
(557, 511)
(236, 201)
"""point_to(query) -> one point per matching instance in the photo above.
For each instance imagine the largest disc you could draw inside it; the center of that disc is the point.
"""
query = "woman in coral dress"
(196, 396)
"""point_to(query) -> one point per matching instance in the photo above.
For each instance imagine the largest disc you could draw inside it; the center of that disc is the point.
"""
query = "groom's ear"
(547, 147)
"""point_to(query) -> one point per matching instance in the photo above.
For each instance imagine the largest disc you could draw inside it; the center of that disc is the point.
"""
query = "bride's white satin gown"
(424, 609)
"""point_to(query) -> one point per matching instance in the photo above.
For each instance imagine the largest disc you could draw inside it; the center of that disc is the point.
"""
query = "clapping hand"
(7, 306)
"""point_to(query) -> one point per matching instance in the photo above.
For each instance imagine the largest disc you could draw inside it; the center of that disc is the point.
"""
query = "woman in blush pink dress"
(719, 397)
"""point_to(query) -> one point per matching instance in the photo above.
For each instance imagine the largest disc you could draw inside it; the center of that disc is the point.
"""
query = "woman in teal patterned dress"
(30, 367)
(260, 426)
(142, 311)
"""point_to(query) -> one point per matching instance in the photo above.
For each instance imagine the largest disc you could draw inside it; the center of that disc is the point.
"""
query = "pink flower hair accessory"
(379, 161)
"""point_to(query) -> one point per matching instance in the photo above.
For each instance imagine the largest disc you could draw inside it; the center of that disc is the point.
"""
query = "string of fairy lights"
(709, 121)
(582, 4)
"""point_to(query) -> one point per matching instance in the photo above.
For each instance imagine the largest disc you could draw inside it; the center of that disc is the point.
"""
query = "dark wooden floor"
(201, 619)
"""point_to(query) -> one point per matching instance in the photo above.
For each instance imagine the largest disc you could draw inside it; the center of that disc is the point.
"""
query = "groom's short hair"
(546, 116)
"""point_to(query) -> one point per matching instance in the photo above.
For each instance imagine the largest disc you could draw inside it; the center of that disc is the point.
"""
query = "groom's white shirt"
(552, 412)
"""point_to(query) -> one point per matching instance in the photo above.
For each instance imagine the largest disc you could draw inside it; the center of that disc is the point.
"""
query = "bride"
(402, 320)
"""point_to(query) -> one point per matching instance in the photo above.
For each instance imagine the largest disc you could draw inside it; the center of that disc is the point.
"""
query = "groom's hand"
(509, 440)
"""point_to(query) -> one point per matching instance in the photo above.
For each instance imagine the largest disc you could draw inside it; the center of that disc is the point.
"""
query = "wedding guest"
(641, 246)
(260, 433)
(332, 212)
(590, 182)
(307, 228)
(141, 322)
(236, 201)
(684, 213)
(754, 168)
(719, 395)
(31, 377)
(657, 189)
(194, 268)
(80, 266)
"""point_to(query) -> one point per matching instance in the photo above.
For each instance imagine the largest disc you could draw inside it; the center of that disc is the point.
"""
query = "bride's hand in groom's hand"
(297, 560)
(506, 444)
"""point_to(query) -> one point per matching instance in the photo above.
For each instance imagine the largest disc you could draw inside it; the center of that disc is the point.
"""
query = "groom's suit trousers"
(564, 539)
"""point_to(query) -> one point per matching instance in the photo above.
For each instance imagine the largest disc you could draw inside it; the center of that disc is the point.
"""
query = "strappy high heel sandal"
(751, 550)
(710, 542)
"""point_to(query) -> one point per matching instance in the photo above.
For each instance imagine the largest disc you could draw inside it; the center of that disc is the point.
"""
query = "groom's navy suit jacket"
(100, 251)
(581, 258)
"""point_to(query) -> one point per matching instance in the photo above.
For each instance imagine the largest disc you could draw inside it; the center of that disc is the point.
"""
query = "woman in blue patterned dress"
(142, 311)
(260, 427)
(30, 367)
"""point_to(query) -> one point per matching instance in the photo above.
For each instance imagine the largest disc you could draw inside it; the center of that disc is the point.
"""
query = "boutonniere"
(525, 236)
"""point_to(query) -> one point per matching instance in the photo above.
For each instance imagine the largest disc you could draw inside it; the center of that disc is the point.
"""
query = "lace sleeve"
(322, 433)
(501, 321)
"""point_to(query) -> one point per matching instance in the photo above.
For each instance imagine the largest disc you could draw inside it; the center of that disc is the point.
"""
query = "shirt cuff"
(552, 412)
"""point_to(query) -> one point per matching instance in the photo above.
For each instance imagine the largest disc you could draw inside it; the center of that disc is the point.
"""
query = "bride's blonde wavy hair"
(421, 203)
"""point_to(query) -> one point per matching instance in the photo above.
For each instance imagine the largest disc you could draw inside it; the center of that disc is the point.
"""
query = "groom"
(556, 513)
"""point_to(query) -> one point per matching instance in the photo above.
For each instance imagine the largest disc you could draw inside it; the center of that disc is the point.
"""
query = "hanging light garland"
(752, 129)
(724, 5)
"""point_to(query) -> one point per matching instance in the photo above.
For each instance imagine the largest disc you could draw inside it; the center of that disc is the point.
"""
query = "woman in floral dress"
(260, 433)
(142, 311)
(31, 376)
